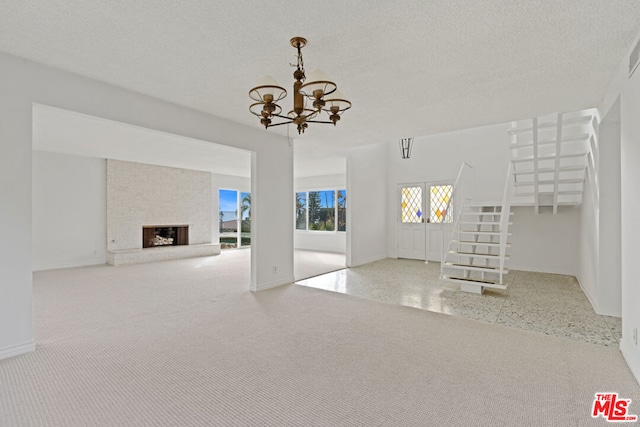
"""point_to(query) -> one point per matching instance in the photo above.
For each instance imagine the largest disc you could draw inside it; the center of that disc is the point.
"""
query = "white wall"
(600, 221)
(589, 249)
(366, 204)
(544, 242)
(140, 195)
(320, 182)
(628, 91)
(16, 328)
(25, 83)
(69, 211)
(321, 240)
(610, 229)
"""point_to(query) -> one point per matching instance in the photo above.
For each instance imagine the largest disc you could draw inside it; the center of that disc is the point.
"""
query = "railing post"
(504, 217)
(459, 194)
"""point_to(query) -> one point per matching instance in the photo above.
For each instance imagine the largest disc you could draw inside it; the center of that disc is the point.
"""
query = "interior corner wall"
(321, 240)
(610, 232)
(25, 83)
(69, 211)
(366, 204)
(544, 242)
(588, 249)
(627, 89)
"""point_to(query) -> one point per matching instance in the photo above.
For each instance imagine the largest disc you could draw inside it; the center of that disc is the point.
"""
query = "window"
(228, 217)
(439, 207)
(234, 215)
(412, 205)
(342, 210)
(245, 216)
(324, 210)
(301, 211)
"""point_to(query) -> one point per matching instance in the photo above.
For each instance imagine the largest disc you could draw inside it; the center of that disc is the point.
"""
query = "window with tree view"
(301, 211)
(324, 210)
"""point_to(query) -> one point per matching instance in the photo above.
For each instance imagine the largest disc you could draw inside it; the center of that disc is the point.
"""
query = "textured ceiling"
(410, 68)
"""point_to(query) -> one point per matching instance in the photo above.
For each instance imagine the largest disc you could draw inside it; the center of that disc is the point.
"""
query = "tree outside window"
(301, 211)
(321, 210)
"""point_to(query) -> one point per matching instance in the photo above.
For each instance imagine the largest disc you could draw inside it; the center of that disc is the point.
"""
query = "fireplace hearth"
(154, 236)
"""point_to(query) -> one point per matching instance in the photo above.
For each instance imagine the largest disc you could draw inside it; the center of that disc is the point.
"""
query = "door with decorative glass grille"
(411, 221)
(440, 213)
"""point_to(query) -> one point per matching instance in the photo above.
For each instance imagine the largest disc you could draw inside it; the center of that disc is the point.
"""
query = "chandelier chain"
(300, 65)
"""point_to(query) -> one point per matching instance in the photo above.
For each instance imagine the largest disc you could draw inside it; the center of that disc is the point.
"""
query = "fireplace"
(154, 236)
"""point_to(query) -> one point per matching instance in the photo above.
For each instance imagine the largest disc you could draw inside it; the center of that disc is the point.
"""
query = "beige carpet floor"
(308, 264)
(183, 343)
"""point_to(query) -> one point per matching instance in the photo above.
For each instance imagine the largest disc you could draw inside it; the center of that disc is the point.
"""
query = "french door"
(424, 209)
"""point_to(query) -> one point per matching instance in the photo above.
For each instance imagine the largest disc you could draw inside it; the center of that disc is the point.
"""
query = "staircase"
(549, 158)
(476, 253)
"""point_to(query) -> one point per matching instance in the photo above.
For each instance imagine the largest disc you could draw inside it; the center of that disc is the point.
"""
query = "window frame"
(335, 190)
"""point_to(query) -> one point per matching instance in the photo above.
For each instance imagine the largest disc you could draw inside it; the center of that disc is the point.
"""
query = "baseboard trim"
(632, 363)
(539, 270)
(270, 285)
(588, 295)
(356, 263)
(17, 350)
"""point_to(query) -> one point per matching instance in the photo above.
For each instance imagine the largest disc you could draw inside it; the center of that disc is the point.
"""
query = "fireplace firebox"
(154, 236)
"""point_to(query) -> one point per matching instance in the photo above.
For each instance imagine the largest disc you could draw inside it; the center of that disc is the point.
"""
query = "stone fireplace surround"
(140, 195)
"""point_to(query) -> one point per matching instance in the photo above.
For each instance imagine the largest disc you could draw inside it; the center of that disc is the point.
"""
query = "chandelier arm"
(317, 121)
(282, 117)
(278, 124)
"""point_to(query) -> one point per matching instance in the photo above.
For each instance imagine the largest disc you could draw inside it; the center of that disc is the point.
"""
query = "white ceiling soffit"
(410, 68)
(68, 132)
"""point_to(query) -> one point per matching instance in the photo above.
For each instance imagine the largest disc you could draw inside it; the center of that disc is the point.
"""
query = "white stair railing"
(509, 189)
(462, 190)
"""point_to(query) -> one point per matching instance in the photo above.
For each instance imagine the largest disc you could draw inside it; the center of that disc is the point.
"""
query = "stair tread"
(517, 202)
(469, 242)
(582, 120)
(479, 255)
(550, 170)
(485, 283)
(578, 138)
(492, 223)
(479, 222)
(466, 279)
(550, 182)
(483, 213)
(550, 193)
(549, 157)
(461, 266)
(480, 233)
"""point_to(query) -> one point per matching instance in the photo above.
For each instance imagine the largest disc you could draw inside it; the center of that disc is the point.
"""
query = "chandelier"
(316, 88)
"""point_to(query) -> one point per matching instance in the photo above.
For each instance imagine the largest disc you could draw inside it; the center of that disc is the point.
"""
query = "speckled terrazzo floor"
(551, 304)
